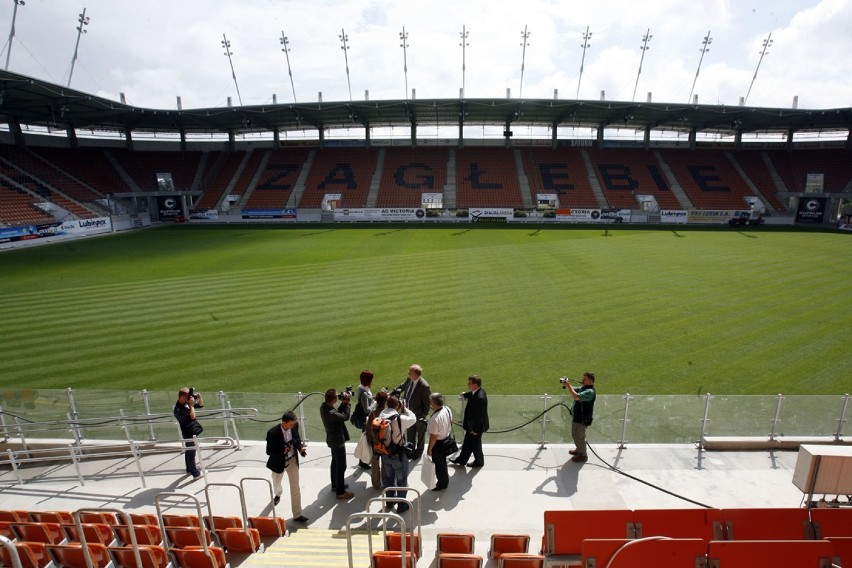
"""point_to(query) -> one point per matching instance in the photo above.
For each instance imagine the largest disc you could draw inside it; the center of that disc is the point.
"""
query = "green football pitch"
(305, 308)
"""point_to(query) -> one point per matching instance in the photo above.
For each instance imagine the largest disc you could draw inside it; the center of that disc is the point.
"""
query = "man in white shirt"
(439, 429)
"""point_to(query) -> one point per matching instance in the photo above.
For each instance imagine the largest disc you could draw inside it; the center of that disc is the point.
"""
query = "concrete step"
(316, 548)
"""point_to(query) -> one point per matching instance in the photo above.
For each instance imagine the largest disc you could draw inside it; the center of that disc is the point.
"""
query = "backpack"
(382, 435)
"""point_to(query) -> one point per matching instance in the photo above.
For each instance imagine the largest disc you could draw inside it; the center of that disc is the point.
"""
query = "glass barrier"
(530, 419)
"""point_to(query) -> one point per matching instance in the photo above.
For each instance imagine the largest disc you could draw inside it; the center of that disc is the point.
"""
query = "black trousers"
(189, 458)
(471, 445)
(338, 469)
(439, 458)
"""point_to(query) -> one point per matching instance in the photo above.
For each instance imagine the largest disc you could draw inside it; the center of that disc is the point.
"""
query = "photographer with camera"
(395, 463)
(415, 391)
(188, 400)
(284, 446)
(336, 435)
(582, 411)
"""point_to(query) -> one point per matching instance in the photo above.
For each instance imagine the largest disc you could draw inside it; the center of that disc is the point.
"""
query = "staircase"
(318, 548)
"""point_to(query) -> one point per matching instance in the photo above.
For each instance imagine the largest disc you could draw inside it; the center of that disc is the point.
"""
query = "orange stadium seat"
(565, 531)
(145, 534)
(392, 559)
(72, 555)
(758, 553)
(508, 543)
(456, 543)
(458, 560)
(842, 549)
(30, 554)
(832, 522)
(48, 533)
(647, 552)
(767, 524)
(94, 532)
(199, 557)
(151, 556)
(521, 560)
(62, 517)
(679, 523)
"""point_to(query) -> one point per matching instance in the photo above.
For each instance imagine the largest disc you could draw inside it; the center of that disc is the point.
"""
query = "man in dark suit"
(283, 446)
(336, 436)
(415, 391)
(475, 423)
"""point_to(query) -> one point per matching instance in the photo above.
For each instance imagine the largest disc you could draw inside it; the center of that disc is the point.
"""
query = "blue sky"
(154, 51)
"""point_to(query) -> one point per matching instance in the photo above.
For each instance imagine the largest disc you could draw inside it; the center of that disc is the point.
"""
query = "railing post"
(842, 420)
(624, 421)
(775, 421)
(123, 424)
(74, 417)
(3, 425)
(20, 430)
(303, 431)
(200, 458)
(544, 420)
(137, 458)
(705, 420)
(221, 396)
(151, 435)
(233, 422)
(14, 463)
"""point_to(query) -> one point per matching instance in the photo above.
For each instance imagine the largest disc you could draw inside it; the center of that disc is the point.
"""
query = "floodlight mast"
(524, 35)
(767, 43)
(404, 45)
(586, 37)
(463, 34)
(12, 30)
(227, 46)
(344, 39)
(644, 47)
(286, 49)
(83, 21)
(705, 47)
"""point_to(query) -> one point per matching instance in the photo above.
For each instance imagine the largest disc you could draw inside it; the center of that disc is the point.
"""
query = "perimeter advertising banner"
(810, 210)
(709, 216)
(168, 207)
(377, 214)
(268, 214)
(673, 216)
(492, 215)
(567, 215)
(75, 227)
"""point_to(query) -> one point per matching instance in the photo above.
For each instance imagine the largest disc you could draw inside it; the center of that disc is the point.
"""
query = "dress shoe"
(364, 465)
(457, 463)
(439, 488)
(474, 464)
(345, 495)
(334, 489)
(276, 499)
(301, 519)
(573, 452)
(579, 458)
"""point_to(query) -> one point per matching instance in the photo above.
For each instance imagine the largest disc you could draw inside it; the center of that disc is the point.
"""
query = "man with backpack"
(389, 429)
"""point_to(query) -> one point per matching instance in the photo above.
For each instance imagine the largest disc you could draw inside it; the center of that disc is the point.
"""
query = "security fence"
(78, 415)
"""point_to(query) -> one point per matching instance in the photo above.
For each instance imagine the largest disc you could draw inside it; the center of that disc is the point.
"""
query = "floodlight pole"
(644, 47)
(705, 47)
(404, 45)
(524, 35)
(227, 47)
(83, 21)
(344, 39)
(766, 44)
(586, 37)
(286, 49)
(463, 34)
(12, 30)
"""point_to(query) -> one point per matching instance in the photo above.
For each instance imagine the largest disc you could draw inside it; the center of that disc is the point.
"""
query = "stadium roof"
(28, 101)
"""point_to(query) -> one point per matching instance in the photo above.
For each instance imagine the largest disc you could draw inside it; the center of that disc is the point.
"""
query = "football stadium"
(684, 262)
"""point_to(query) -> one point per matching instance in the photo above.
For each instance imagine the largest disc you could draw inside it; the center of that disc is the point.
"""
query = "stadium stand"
(89, 165)
(16, 208)
(344, 171)
(48, 173)
(487, 177)
(624, 173)
(223, 167)
(794, 167)
(278, 179)
(143, 167)
(708, 178)
(561, 171)
(754, 165)
(407, 173)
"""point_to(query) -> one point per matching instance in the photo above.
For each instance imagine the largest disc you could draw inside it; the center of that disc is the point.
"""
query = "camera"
(191, 392)
(564, 382)
(345, 393)
(398, 390)
(408, 448)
